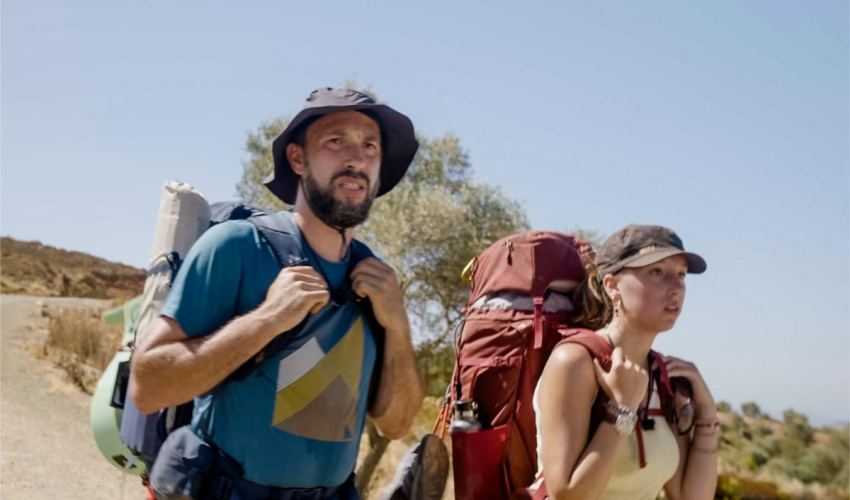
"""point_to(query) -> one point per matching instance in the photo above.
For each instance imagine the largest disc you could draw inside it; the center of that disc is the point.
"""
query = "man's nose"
(355, 155)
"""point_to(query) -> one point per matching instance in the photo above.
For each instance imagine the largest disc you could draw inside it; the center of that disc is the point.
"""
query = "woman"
(623, 432)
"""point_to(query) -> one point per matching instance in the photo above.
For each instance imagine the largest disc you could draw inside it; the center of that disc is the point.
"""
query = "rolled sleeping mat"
(128, 439)
(184, 214)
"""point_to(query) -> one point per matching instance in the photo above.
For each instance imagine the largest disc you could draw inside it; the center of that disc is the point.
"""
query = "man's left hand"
(377, 281)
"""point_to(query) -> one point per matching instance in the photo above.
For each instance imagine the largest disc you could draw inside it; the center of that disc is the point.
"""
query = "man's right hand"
(296, 292)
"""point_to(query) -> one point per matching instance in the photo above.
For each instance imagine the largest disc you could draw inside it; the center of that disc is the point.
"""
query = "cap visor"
(696, 264)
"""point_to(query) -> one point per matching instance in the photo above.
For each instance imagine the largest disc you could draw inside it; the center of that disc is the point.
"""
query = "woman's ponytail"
(593, 306)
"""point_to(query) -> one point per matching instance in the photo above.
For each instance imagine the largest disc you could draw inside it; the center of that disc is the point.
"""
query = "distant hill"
(789, 459)
(31, 268)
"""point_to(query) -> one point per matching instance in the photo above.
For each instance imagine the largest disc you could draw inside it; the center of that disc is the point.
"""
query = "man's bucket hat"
(638, 246)
(398, 138)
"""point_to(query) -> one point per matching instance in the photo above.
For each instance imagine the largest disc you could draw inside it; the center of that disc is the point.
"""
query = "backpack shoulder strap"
(359, 252)
(282, 234)
(665, 389)
(668, 389)
(596, 345)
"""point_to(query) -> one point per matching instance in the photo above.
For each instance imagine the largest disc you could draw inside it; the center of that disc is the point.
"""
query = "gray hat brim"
(696, 264)
(399, 147)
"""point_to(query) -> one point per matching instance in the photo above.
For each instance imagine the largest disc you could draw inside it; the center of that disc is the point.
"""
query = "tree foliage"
(432, 224)
(751, 409)
(260, 165)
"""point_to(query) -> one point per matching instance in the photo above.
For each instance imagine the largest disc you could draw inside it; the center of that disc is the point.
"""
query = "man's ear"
(295, 156)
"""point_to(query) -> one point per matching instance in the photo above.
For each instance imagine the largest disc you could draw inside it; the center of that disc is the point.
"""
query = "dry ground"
(46, 448)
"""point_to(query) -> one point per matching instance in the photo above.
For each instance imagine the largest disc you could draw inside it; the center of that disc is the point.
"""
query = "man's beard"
(333, 212)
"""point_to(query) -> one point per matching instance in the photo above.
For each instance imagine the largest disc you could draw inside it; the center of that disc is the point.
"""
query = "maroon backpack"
(501, 352)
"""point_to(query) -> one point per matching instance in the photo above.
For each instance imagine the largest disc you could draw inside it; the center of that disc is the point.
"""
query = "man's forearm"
(176, 371)
(400, 392)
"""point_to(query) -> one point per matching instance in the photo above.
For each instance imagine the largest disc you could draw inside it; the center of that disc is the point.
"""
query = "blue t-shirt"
(296, 420)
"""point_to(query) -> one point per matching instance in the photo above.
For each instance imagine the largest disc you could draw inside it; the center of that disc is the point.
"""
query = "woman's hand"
(625, 383)
(703, 400)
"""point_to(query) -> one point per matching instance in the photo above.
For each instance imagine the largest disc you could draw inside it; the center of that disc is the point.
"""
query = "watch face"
(626, 423)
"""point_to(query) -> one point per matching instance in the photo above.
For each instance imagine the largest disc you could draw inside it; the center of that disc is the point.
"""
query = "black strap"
(223, 486)
(283, 235)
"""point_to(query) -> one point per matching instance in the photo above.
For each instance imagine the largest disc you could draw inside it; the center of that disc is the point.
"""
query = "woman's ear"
(612, 286)
(295, 156)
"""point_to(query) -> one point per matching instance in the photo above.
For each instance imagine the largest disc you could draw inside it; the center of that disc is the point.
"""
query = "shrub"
(751, 409)
(732, 487)
(83, 344)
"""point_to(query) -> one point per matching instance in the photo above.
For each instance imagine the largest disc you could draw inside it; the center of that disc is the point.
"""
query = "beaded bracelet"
(711, 424)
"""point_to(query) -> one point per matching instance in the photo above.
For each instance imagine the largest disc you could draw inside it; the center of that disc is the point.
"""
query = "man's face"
(339, 167)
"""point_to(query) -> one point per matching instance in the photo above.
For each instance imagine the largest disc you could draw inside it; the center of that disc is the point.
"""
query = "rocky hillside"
(31, 268)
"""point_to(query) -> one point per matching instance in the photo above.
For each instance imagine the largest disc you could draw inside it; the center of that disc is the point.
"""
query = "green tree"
(797, 427)
(724, 407)
(260, 165)
(592, 236)
(751, 409)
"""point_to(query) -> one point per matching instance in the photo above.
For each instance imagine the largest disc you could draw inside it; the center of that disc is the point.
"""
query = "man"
(291, 428)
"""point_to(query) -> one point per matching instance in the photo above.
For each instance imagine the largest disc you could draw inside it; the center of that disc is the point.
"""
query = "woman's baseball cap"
(640, 245)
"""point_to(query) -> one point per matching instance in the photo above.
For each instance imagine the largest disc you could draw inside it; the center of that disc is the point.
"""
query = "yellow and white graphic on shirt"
(317, 391)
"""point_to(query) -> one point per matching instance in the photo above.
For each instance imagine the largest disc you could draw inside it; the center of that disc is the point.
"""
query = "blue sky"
(727, 121)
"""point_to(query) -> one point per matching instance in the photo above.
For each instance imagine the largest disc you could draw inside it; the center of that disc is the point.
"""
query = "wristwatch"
(623, 419)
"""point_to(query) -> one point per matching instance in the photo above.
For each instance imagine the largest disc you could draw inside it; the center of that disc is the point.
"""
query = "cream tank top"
(628, 481)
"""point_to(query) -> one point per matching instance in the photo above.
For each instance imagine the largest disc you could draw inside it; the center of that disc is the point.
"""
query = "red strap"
(539, 492)
(658, 362)
(538, 322)
(596, 345)
(641, 449)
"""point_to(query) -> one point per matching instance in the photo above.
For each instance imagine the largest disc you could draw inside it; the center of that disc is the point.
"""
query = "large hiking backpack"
(517, 312)
(184, 215)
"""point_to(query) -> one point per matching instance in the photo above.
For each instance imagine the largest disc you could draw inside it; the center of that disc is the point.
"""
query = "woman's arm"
(574, 466)
(696, 475)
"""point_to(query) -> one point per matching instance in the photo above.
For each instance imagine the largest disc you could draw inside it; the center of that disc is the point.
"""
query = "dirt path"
(46, 447)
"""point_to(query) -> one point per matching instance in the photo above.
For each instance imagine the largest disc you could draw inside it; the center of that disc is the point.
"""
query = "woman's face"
(652, 296)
